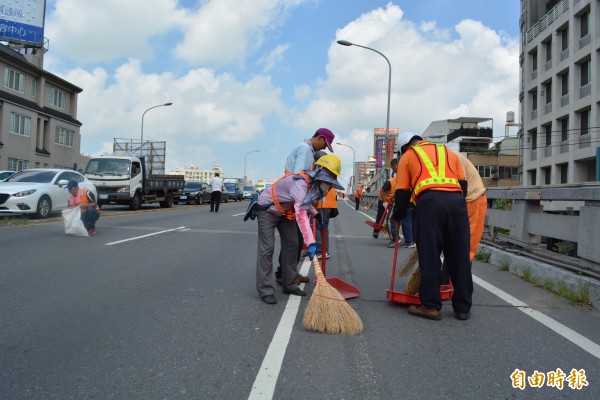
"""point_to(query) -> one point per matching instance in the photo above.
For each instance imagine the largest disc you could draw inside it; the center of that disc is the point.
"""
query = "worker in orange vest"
(437, 179)
(358, 196)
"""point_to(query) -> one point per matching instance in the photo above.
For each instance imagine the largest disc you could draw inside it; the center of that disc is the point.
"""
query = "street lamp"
(245, 157)
(142, 134)
(387, 124)
(353, 163)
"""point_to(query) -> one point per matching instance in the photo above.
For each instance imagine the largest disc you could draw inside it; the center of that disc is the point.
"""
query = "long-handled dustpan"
(347, 290)
(379, 226)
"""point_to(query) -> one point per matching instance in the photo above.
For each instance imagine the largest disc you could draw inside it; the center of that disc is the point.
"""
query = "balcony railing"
(585, 90)
(585, 141)
(546, 20)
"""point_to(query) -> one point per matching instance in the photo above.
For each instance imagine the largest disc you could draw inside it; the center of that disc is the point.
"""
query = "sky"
(246, 75)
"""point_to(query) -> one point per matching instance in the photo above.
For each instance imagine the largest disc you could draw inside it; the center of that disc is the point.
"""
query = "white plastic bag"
(73, 223)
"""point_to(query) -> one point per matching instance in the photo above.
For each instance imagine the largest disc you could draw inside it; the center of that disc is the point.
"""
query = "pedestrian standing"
(216, 185)
(358, 196)
(437, 179)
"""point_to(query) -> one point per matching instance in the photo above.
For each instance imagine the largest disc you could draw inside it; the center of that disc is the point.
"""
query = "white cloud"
(273, 58)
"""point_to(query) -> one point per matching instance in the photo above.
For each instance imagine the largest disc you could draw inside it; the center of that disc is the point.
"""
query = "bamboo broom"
(412, 286)
(327, 310)
(409, 263)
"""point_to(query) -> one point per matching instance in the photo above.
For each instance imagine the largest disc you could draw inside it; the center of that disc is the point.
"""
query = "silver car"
(39, 191)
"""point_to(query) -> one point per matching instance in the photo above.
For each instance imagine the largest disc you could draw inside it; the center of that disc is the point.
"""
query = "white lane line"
(566, 332)
(264, 384)
(237, 215)
(181, 228)
(366, 215)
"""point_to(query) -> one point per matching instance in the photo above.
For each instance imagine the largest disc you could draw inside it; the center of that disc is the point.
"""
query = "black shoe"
(295, 292)
(463, 316)
(279, 280)
(375, 234)
(269, 299)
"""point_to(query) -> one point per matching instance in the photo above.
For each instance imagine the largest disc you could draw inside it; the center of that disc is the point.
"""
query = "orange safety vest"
(81, 198)
(439, 177)
(329, 202)
(289, 214)
(358, 193)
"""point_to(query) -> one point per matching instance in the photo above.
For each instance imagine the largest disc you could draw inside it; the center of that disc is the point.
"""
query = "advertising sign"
(22, 21)
(381, 149)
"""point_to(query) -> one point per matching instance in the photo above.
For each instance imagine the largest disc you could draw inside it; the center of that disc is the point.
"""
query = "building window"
(533, 176)
(533, 135)
(585, 73)
(534, 101)
(20, 124)
(56, 97)
(584, 25)
(548, 49)
(564, 130)
(33, 87)
(547, 175)
(548, 92)
(584, 122)
(37, 164)
(17, 165)
(548, 131)
(64, 137)
(14, 80)
(564, 84)
(534, 65)
(564, 172)
(564, 39)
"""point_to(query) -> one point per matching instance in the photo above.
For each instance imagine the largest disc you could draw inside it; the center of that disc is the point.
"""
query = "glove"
(311, 251)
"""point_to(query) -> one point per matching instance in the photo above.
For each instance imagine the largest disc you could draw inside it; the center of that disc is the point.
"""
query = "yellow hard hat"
(330, 162)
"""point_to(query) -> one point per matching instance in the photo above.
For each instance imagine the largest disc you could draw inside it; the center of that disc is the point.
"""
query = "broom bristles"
(412, 286)
(386, 230)
(409, 263)
(327, 310)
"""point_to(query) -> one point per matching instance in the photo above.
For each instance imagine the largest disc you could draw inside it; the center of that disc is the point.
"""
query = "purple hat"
(328, 136)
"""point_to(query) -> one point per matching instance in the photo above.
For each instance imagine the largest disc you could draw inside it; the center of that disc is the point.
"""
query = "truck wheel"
(44, 207)
(136, 202)
(168, 203)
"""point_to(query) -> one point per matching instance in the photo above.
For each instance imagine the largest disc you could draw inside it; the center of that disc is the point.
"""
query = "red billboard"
(380, 147)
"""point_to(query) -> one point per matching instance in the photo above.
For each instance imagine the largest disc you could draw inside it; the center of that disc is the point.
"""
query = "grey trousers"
(265, 276)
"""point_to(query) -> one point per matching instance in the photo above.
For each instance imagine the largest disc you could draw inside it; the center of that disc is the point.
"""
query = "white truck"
(122, 179)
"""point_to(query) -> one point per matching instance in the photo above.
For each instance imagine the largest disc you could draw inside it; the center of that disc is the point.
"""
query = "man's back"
(216, 184)
(301, 158)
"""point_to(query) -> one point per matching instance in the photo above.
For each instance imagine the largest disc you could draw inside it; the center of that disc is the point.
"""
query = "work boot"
(302, 278)
(375, 233)
(422, 311)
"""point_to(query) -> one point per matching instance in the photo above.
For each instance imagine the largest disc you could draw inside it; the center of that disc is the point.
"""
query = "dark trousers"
(89, 216)
(441, 225)
(357, 201)
(215, 200)
(407, 224)
(298, 252)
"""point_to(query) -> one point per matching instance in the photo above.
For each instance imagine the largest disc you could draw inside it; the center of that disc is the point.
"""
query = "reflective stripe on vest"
(437, 179)
(289, 214)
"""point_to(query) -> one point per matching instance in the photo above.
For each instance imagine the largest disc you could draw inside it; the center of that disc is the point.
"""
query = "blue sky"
(263, 74)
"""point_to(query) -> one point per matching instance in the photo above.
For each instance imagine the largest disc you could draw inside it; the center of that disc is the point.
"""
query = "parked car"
(192, 193)
(5, 174)
(207, 192)
(39, 191)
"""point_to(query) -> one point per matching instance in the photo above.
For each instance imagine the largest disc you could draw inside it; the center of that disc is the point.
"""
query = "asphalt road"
(161, 304)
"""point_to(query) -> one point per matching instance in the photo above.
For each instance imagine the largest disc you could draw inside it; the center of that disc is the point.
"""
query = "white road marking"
(237, 215)
(365, 214)
(181, 228)
(264, 384)
(564, 331)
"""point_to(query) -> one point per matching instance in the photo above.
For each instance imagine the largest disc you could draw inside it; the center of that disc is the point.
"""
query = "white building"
(559, 91)
(194, 174)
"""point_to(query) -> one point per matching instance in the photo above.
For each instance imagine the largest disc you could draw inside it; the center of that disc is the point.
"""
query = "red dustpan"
(379, 226)
(347, 290)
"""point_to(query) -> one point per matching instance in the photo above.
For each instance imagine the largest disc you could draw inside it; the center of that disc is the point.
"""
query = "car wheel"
(44, 207)
(136, 202)
(198, 200)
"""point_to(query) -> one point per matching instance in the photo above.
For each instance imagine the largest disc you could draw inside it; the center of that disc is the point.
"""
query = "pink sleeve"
(304, 224)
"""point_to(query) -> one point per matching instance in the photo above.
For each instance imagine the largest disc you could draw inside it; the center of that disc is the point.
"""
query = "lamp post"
(142, 134)
(245, 157)
(353, 163)
(387, 124)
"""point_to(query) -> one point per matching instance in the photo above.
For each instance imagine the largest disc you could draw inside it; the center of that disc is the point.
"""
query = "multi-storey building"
(194, 174)
(38, 115)
(559, 91)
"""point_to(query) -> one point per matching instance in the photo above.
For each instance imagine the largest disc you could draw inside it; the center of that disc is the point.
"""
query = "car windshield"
(229, 185)
(33, 176)
(193, 185)
(115, 166)
(248, 188)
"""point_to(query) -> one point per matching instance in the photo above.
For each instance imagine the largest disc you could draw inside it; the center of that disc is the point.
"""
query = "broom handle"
(317, 267)
(394, 264)
(324, 250)
(384, 213)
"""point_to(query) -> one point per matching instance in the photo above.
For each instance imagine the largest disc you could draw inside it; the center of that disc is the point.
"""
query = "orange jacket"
(358, 193)
(329, 202)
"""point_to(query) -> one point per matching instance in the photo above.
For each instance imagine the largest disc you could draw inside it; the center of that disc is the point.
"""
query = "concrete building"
(498, 165)
(559, 91)
(38, 115)
(194, 174)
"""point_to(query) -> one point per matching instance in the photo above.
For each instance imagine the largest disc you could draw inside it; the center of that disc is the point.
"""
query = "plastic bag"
(73, 223)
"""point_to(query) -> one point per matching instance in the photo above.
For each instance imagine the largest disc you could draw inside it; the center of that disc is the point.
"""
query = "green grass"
(483, 256)
(14, 221)
(581, 295)
(504, 266)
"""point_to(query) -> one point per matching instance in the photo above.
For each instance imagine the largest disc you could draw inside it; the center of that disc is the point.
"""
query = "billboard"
(380, 147)
(22, 21)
